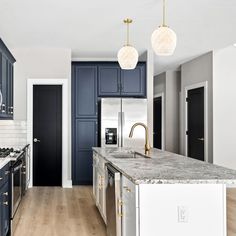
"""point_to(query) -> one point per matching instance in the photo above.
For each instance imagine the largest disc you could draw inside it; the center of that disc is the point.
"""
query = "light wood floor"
(69, 212)
(231, 212)
(49, 211)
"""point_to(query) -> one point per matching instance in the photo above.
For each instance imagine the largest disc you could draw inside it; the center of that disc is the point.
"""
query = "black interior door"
(47, 135)
(157, 122)
(196, 123)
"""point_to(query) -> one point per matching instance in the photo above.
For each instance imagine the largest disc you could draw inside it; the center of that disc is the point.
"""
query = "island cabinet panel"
(99, 184)
(109, 80)
(6, 82)
(133, 82)
(182, 209)
(130, 210)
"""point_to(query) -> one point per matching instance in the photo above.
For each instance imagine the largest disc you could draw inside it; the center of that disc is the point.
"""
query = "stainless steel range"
(4, 152)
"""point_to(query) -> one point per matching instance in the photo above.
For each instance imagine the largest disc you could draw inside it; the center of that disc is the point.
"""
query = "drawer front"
(129, 191)
(4, 174)
(128, 185)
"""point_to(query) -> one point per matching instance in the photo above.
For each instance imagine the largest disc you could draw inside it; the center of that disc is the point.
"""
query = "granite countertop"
(6, 160)
(166, 168)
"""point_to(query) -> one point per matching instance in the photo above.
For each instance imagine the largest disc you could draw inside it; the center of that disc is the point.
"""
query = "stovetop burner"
(4, 152)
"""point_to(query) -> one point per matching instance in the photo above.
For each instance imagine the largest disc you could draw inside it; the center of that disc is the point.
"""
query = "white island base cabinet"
(173, 209)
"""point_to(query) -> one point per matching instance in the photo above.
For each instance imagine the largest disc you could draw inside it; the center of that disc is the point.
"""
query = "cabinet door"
(129, 216)
(95, 177)
(109, 80)
(85, 91)
(5, 216)
(85, 139)
(101, 204)
(9, 110)
(129, 208)
(133, 82)
(4, 73)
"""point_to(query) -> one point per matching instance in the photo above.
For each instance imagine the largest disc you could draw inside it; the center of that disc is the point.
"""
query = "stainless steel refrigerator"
(117, 117)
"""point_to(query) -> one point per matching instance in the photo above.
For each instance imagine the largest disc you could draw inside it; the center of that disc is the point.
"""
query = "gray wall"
(168, 83)
(193, 72)
(172, 111)
(224, 98)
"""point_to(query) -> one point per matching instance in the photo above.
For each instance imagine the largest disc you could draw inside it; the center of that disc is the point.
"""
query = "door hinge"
(187, 99)
(187, 132)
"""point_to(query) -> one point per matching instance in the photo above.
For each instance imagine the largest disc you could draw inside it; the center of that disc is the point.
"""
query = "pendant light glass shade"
(164, 41)
(127, 55)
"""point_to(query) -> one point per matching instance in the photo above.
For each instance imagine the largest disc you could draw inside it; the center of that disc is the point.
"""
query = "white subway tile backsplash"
(13, 133)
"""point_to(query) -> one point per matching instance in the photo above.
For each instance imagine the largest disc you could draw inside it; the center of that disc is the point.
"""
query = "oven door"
(16, 186)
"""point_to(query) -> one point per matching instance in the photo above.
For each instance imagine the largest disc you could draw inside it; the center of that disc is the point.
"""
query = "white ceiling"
(94, 29)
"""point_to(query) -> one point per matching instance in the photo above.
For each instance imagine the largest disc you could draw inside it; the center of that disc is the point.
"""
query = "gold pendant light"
(164, 39)
(127, 55)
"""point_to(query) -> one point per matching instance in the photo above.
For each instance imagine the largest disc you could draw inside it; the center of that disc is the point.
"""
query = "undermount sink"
(126, 154)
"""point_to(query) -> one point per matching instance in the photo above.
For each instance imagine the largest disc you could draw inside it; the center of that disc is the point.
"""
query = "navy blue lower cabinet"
(133, 82)
(85, 139)
(5, 209)
(5, 200)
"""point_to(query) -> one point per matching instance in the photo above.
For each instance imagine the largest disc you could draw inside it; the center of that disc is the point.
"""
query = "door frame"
(187, 88)
(66, 166)
(162, 96)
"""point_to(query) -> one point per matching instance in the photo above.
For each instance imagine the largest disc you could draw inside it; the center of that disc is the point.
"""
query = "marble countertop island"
(166, 168)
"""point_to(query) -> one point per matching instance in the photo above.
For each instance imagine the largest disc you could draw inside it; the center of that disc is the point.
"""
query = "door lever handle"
(36, 140)
(200, 139)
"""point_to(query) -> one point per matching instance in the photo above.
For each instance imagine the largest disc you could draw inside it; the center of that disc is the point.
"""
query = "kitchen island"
(166, 194)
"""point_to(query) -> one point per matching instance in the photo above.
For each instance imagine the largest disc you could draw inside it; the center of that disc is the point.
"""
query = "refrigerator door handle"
(119, 129)
(123, 119)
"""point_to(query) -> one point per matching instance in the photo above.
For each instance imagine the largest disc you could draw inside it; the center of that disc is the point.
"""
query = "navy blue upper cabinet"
(109, 80)
(85, 85)
(6, 82)
(4, 85)
(115, 82)
(133, 82)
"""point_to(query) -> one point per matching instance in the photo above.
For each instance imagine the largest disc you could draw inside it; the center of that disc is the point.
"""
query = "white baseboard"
(67, 184)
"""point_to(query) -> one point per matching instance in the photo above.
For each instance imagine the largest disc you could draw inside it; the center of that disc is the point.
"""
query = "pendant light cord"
(127, 33)
(164, 12)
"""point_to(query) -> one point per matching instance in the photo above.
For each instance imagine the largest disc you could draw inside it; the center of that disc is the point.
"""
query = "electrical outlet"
(183, 213)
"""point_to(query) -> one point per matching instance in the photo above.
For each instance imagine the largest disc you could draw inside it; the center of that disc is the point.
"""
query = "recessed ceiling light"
(234, 44)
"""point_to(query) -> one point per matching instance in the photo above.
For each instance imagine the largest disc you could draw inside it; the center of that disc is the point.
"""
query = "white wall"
(224, 98)
(37, 63)
(172, 111)
(40, 63)
(148, 57)
(193, 72)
